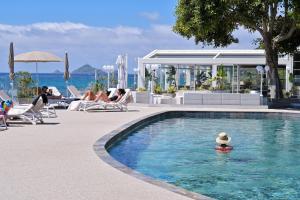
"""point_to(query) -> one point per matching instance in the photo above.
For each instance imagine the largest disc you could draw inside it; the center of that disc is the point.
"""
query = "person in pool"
(223, 141)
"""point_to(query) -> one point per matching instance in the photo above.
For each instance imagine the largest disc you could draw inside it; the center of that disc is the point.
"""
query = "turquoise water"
(265, 162)
(81, 81)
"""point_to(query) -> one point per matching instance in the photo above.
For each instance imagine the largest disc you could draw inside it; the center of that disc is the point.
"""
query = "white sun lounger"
(4, 96)
(81, 105)
(31, 113)
(2, 118)
(120, 105)
(48, 111)
(75, 93)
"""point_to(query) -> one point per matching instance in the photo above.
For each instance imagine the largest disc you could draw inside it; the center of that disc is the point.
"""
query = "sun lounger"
(48, 111)
(4, 96)
(81, 105)
(2, 119)
(57, 100)
(74, 92)
(31, 113)
(120, 105)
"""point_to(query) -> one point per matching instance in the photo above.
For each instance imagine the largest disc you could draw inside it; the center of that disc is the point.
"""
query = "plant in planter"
(247, 91)
(172, 90)
(141, 89)
(206, 84)
(157, 89)
(220, 78)
(171, 76)
(97, 86)
(24, 85)
(202, 77)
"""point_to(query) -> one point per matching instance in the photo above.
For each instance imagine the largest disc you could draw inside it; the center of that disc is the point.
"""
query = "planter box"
(231, 99)
(212, 99)
(25, 100)
(250, 99)
(141, 97)
(192, 98)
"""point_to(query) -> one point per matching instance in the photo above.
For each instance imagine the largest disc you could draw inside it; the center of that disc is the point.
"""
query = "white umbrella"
(121, 62)
(36, 57)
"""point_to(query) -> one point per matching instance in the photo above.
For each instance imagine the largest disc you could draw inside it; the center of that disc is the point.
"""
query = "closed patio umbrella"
(121, 71)
(11, 65)
(66, 73)
(11, 62)
(36, 57)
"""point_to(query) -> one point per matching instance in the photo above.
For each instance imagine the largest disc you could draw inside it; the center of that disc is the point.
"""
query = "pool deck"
(56, 160)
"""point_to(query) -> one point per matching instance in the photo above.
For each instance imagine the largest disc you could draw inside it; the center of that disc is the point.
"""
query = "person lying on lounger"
(103, 96)
(50, 95)
(43, 95)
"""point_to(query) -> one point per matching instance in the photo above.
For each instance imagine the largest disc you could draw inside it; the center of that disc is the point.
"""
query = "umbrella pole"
(37, 78)
(12, 89)
(67, 89)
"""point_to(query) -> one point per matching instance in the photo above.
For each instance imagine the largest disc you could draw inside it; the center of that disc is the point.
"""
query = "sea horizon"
(81, 81)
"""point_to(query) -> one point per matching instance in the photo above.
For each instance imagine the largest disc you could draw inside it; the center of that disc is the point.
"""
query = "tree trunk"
(272, 61)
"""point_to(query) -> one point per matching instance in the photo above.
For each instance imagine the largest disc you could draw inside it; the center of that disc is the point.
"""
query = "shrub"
(157, 89)
(171, 89)
(141, 89)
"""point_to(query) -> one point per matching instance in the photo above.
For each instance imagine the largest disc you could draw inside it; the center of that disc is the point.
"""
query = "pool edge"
(100, 148)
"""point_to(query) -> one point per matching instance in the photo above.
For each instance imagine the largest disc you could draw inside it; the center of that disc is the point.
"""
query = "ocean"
(81, 81)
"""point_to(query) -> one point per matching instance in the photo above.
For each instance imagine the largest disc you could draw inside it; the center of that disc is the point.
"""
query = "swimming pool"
(179, 149)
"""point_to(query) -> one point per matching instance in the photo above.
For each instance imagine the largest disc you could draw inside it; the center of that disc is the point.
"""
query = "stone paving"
(56, 160)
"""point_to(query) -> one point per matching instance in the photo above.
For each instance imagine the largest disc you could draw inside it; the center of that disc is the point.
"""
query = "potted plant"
(157, 89)
(172, 90)
(25, 84)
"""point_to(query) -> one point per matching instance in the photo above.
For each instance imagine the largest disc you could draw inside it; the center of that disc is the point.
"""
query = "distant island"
(57, 72)
(85, 69)
(88, 69)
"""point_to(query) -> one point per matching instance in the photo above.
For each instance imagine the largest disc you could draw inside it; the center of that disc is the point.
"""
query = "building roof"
(207, 57)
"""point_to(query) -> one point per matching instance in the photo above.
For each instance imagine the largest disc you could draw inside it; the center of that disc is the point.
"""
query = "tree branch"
(282, 37)
(286, 9)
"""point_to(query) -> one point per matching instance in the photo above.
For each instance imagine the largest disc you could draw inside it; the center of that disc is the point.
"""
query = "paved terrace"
(56, 160)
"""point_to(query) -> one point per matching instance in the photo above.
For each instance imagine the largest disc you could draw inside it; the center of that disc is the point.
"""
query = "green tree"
(212, 22)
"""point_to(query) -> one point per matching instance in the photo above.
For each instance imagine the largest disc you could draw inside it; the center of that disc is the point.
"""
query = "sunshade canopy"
(37, 56)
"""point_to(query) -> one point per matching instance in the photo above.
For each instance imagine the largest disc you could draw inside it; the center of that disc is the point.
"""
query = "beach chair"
(83, 104)
(4, 96)
(57, 100)
(75, 93)
(48, 110)
(2, 119)
(120, 105)
(31, 113)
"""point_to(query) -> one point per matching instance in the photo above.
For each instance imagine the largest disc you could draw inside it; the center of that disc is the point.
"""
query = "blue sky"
(90, 12)
(93, 32)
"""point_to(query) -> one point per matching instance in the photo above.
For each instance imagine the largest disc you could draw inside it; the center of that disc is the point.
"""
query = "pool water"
(265, 162)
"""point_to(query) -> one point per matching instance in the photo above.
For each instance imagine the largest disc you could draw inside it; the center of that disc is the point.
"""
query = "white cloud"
(97, 46)
(152, 16)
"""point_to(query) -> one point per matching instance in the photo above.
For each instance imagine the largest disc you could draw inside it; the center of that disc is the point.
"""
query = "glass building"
(192, 69)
